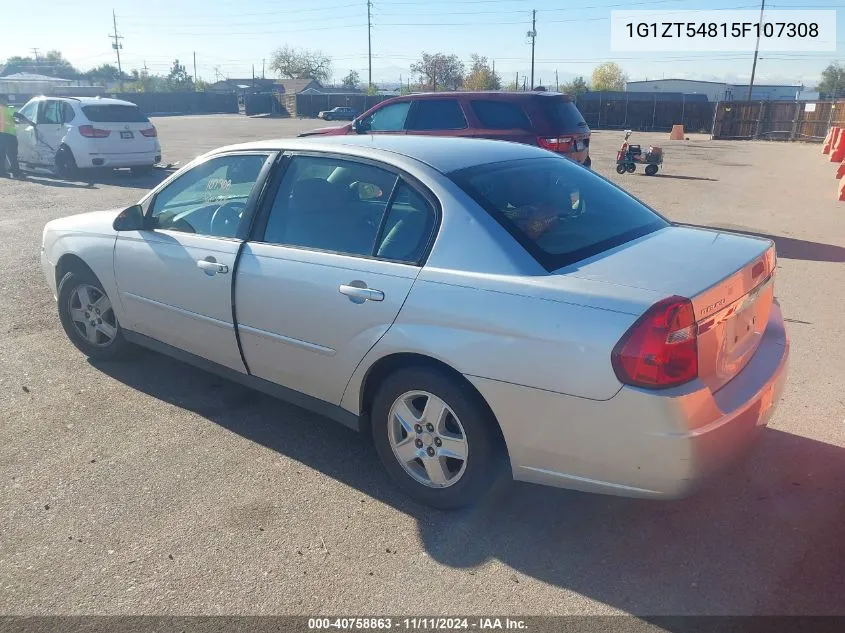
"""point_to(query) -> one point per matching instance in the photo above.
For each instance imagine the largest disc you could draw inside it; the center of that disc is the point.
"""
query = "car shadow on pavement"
(54, 182)
(790, 247)
(765, 538)
(679, 177)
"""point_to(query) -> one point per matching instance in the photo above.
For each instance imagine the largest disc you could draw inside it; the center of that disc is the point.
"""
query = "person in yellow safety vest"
(8, 139)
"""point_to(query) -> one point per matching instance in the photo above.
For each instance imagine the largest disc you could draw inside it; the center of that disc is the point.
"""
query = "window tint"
(50, 113)
(407, 227)
(114, 114)
(390, 118)
(559, 211)
(67, 112)
(210, 198)
(330, 204)
(500, 115)
(565, 115)
(437, 114)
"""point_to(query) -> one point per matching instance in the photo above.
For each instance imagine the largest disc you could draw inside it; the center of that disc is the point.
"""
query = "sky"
(230, 36)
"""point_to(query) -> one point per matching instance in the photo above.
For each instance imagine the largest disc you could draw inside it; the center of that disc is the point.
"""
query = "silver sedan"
(478, 307)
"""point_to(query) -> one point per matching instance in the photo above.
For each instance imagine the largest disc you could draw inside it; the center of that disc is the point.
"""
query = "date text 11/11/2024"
(418, 624)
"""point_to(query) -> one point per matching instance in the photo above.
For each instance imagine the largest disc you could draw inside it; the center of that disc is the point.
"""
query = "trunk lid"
(125, 123)
(728, 278)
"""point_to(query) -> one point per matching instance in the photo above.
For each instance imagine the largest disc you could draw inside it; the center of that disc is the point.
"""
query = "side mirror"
(130, 219)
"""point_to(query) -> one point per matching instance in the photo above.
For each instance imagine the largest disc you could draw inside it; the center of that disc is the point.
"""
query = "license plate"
(127, 135)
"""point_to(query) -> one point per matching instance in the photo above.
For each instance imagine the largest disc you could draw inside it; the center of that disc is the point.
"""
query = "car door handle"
(360, 294)
(212, 267)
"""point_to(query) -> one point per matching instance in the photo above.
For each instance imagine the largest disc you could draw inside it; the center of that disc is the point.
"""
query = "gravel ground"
(155, 488)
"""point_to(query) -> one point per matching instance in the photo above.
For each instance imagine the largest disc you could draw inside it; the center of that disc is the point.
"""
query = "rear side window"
(437, 114)
(114, 114)
(559, 211)
(67, 112)
(500, 115)
(565, 115)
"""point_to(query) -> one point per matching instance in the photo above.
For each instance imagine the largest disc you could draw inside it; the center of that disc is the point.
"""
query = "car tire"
(66, 164)
(459, 482)
(104, 343)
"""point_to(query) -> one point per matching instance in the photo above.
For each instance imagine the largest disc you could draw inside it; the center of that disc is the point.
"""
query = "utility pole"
(369, 44)
(262, 69)
(756, 50)
(117, 46)
(195, 67)
(35, 52)
(516, 82)
(533, 35)
(557, 82)
(253, 77)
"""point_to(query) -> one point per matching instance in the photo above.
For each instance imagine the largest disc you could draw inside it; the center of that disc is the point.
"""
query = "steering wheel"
(226, 217)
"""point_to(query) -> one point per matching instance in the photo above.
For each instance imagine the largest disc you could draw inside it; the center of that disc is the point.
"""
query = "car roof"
(445, 154)
(498, 95)
(86, 101)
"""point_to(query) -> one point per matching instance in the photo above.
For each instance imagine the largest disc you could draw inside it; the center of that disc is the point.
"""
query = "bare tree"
(439, 71)
(301, 63)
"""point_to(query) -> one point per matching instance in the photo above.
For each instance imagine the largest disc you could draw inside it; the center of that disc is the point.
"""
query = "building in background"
(722, 91)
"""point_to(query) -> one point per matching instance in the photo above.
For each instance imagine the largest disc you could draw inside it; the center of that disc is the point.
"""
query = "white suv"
(65, 133)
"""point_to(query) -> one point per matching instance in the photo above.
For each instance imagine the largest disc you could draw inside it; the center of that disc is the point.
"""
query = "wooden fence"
(778, 121)
(646, 115)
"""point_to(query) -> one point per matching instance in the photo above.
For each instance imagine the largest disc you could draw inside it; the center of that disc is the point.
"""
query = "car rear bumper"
(640, 443)
(129, 159)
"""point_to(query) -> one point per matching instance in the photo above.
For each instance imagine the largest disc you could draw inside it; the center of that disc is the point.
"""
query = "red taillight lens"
(89, 131)
(660, 350)
(555, 144)
(149, 132)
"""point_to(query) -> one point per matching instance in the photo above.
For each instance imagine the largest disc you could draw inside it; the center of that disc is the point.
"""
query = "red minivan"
(547, 119)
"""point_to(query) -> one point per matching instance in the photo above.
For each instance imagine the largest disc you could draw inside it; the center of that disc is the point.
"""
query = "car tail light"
(89, 131)
(555, 143)
(150, 132)
(660, 349)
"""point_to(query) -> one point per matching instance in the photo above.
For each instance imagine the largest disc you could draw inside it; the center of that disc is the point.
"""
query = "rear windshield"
(565, 115)
(114, 114)
(558, 210)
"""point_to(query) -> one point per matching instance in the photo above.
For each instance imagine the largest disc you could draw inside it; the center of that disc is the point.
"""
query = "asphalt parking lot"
(155, 488)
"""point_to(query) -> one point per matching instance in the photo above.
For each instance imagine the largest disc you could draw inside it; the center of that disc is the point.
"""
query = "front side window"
(560, 212)
(211, 198)
(437, 114)
(390, 118)
(30, 111)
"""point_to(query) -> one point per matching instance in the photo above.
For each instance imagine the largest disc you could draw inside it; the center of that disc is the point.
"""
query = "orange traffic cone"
(842, 189)
(837, 148)
(677, 133)
(841, 170)
(826, 144)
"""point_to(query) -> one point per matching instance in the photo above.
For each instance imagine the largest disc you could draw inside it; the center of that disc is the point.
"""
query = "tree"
(178, 79)
(351, 80)
(609, 76)
(301, 63)
(481, 76)
(105, 74)
(439, 71)
(52, 64)
(832, 83)
(576, 87)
